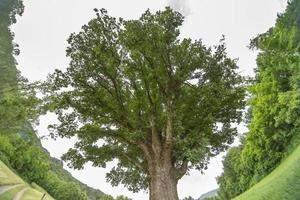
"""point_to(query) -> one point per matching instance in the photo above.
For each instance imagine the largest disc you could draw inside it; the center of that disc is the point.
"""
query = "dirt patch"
(5, 188)
(20, 194)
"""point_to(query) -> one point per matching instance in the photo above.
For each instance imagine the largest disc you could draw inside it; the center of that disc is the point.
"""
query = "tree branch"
(156, 143)
(133, 162)
(168, 134)
(146, 151)
(181, 171)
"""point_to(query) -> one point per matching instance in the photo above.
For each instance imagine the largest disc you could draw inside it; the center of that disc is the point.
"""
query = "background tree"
(188, 198)
(121, 197)
(275, 107)
(136, 93)
(106, 197)
(231, 175)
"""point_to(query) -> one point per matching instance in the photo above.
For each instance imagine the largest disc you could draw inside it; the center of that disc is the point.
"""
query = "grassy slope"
(57, 167)
(32, 194)
(8, 177)
(9, 195)
(282, 184)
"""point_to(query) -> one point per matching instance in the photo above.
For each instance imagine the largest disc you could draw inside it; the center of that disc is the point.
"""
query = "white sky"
(46, 24)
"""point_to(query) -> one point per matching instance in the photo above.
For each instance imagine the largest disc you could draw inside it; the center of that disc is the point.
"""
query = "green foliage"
(57, 167)
(70, 191)
(121, 197)
(6, 149)
(188, 198)
(211, 198)
(137, 88)
(106, 197)
(231, 175)
(60, 189)
(274, 105)
(29, 161)
(34, 166)
(9, 9)
(19, 146)
(17, 97)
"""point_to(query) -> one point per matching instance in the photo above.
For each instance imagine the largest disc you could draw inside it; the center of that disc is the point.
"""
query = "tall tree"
(8, 11)
(136, 93)
(17, 97)
(274, 124)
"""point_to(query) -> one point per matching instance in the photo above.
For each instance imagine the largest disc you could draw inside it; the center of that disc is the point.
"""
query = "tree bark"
(163, 175)
(163, 183)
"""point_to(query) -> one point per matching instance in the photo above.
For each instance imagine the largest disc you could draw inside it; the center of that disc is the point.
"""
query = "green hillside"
(282, 183)
(212, 193)
(13, 187)
(20, 148)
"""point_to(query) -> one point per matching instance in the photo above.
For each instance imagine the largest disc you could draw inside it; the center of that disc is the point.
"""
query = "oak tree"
(136, 93)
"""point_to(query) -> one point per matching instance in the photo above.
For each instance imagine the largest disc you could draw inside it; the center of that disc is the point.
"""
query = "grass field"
(282, 184)
(40, 189)
(9, 195)
(11, 186)
(7, 177)
(31, 194)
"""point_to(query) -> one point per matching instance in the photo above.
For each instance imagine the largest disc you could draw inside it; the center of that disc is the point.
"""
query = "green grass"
(40, 189)
(33, 194)
(9, 195)
(282, 184)
(7, 177)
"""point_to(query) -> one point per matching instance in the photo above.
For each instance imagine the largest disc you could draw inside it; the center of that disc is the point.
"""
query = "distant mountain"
(212, 193)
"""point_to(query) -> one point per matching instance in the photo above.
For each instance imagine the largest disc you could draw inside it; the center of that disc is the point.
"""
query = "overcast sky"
(46, 24)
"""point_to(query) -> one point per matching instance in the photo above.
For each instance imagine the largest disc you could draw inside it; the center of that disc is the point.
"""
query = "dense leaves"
(15, 95)
(275, 106)
(136, 93)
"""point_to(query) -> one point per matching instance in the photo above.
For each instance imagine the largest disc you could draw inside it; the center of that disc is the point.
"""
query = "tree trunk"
(163, 185)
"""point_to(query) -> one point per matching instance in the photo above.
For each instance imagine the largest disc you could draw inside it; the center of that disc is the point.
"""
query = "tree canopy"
(135, 92)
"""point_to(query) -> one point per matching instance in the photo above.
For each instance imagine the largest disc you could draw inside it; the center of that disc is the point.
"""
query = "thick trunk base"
(163, 186)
